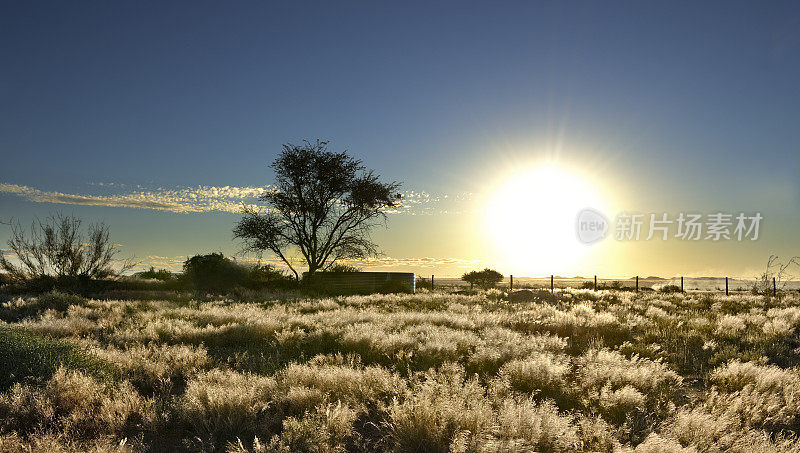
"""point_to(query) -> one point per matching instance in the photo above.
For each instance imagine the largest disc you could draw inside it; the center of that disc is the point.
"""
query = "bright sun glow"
(532, 216)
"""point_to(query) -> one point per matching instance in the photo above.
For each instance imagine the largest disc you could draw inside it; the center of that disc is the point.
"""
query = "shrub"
(543, 374)
(156, 366)
(634, 393)
(523, 426)
(702, 430)
(214, 272)
(441, 405)
(538, 426)
(268, 276)
(153, 274)
(730, 326)
(342, 380)
(58, 248)
(484, 279)
(617, 405)
(600, 368)
(324, 430)
(762, 396)
(220, 406)
(75, 406)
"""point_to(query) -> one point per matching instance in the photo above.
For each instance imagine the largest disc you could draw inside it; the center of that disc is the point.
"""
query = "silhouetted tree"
(323, 204)
(56, 247)
(485, 279)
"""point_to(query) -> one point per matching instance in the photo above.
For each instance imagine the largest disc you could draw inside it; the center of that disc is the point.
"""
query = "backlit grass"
(575, 371)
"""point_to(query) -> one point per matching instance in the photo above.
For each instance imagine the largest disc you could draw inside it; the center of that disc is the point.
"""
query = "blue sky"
(675, 105)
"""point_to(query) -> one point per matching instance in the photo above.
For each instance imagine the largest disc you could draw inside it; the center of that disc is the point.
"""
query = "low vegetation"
(153, 274)
(58, 252)
(578, 370)
(484, 279)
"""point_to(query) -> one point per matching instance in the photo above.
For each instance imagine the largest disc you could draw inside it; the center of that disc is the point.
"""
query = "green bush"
(25, 355)
(214, 272)
(267, 276)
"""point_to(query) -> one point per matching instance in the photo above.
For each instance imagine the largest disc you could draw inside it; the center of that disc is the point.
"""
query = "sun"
(531, 216)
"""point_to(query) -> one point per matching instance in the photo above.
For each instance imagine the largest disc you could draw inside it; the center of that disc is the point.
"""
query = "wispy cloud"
(425, 262)
(384, 263)
(183, 200)
(425, 203)
(213, 198)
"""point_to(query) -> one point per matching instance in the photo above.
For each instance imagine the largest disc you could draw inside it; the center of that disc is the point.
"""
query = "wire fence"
(727, 285)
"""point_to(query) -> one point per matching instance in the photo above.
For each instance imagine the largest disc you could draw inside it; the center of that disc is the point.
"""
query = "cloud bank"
(183, 200)
(187, 200)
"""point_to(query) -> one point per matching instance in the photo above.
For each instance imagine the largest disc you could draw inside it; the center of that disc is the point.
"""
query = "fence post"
(682, 284)
(595, 283)
(637, 283)
(774, 288)
(431, 282)
(511, 283)
(726, 286)
(551, 283)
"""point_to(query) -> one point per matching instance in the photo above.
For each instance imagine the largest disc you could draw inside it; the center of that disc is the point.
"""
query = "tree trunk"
(311, 271)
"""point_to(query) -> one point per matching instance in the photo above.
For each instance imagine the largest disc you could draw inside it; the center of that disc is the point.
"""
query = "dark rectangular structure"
(362, 282)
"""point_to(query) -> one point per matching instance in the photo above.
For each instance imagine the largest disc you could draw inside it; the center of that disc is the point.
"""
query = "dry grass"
(575, 371)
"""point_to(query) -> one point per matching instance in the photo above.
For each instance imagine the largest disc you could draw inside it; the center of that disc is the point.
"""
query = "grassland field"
(576, 370)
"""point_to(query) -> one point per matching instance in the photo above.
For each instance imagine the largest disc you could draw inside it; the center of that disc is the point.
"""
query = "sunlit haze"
(531, 218)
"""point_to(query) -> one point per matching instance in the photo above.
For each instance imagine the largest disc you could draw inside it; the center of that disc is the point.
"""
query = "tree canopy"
(323, 204)
(485, 279)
